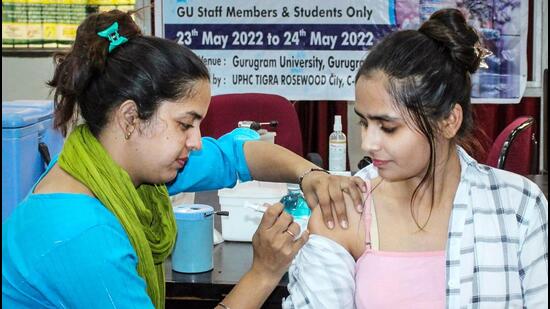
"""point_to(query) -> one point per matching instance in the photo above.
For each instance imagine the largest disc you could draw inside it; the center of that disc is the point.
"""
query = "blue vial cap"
(295, 204)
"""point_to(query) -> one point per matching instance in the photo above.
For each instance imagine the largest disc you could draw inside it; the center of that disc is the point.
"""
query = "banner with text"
(311, 50)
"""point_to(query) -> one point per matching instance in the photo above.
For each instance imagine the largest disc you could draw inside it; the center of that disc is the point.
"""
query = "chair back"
(227, 110)
(515, 147)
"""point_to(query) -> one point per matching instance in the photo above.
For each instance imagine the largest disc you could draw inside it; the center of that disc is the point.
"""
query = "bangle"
(313, 169)
(224, 306)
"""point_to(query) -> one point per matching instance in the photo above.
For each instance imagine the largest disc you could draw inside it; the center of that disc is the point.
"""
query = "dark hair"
(92, 81)
(428, 72)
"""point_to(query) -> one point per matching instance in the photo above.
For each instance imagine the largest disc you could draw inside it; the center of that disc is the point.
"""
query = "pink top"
(386, 279)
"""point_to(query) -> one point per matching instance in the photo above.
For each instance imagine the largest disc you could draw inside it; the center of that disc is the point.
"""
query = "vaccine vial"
(295, 204)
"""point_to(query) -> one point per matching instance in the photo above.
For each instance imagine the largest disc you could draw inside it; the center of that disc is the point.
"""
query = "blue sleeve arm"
(97, 269)
(219, 164)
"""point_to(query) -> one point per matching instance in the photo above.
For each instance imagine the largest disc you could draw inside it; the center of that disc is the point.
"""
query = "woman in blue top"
(96, 228)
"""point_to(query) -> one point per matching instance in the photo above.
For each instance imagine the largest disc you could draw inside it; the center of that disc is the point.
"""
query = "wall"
(25, 78)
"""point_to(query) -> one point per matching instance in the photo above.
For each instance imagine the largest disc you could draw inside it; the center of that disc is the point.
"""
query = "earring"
(130, 131)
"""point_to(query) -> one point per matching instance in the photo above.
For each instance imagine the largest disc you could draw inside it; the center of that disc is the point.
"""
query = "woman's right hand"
(274, 249)
(274, 244)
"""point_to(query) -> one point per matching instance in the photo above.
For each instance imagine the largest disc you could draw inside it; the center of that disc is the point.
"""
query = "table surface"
(231, 260)
(204, 290)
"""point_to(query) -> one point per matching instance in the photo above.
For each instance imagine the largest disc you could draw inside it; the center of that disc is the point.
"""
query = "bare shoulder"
(352, 238)
(59, 181)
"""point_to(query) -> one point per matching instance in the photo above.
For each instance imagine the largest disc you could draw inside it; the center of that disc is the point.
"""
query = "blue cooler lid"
(192, 212)
(46, 105)
(18, 114)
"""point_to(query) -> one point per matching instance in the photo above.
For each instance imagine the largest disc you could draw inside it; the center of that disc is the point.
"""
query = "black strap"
(44, 152)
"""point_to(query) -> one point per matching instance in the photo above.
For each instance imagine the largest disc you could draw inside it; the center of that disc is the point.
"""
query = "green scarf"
(145, 213)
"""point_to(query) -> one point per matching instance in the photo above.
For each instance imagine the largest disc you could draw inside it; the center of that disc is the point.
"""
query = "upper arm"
(352, 238)
(96, 269)
(322, 275)
(219, 164)
(533, 254)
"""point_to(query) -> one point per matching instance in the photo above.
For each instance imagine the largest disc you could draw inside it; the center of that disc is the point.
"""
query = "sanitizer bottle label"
(337, 157)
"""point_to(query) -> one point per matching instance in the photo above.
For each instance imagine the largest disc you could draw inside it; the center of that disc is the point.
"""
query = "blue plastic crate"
(26, 125)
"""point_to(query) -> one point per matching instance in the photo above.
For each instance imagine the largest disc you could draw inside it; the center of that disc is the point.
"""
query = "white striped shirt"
(322, 275)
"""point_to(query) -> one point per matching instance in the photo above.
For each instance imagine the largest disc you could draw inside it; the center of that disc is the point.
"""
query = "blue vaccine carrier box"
(195, 240)
(28, 143)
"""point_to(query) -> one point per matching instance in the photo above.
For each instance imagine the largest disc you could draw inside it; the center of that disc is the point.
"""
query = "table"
(205, 290)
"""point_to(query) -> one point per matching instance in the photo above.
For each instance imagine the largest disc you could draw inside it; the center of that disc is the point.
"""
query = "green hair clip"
(115, 39)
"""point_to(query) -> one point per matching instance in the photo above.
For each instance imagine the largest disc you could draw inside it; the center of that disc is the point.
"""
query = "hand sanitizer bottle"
(296, 205)
(337, 147)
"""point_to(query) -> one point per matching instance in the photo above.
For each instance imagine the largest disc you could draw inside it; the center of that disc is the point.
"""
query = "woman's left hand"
(327, 191)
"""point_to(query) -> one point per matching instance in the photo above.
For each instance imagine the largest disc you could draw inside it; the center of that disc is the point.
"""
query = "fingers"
(282, 223)
(339, 206)
(276, 242)
(355, 191)
(326, 206)
(311, 200)
(270, 216)
(293, 230)
(321, 196)
(360, 183)
(300, 242)
(289, 241)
